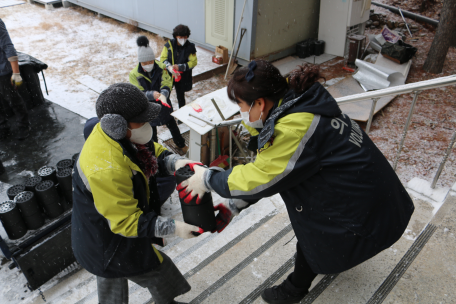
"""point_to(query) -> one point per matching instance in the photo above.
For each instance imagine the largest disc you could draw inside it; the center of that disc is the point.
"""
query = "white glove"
(170, 69)
(16, 79)
(184, 230)
(183, 162)
(193, 186)
(162, 99)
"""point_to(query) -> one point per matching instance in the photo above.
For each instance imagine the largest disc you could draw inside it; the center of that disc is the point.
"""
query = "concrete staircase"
(257, 251)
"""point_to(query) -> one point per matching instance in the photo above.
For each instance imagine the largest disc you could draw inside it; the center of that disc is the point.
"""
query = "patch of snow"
(409, 235)
(165, 134)
(10, 162)
(454, 187)
(92, 83)
(76, 98)
(256, 274)
(26, 173)
(422, 190)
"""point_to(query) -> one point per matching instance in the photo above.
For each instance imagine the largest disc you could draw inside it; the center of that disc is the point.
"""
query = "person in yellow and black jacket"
(113, 224)
(344, 200)
(152, 78)
(179, 56)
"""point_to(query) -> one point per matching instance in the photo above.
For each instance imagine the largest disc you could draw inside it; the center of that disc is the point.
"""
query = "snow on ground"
(422, 189)
(75, 43)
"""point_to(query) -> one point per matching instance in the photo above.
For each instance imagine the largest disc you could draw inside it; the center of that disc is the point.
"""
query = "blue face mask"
(258, 124)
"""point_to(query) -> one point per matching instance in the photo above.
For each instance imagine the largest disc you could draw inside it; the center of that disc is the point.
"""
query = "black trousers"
(303, 275)
(10, 98)
(175, 132)
(180, 94)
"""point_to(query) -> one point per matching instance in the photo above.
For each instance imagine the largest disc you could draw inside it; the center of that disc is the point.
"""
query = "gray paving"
(431, 278)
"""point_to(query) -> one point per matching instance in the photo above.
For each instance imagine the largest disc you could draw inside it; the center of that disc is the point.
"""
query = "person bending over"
(344, 200)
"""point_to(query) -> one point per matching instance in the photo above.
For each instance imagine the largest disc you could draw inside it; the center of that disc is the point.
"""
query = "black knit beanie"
(128, 101)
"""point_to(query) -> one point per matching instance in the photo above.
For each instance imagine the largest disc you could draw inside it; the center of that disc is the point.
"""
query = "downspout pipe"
(408, 14)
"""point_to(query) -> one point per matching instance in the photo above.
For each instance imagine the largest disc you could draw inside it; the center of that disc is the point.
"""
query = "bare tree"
(444, 38)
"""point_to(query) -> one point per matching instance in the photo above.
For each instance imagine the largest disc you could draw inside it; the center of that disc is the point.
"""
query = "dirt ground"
(78, 42)
(433, 122)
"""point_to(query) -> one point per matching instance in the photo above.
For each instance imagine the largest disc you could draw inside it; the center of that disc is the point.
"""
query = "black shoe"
(23, 133)
(4, 133)
(285, 293)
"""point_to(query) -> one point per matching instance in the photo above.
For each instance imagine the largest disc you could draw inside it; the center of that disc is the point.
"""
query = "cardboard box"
(218, 60)
(221, 51)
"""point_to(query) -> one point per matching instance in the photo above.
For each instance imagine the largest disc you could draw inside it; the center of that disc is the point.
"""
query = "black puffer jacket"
(345, 202)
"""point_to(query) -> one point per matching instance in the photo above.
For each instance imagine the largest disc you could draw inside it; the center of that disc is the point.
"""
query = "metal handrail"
(403, 89)
(416, 88)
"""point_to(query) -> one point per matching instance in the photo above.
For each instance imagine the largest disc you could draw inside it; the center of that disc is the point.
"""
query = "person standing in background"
(179, 56)
(152, 78)
(10, 79)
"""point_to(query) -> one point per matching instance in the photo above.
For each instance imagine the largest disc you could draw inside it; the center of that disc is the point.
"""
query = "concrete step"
(256, 251)
(361, 283)
(228, 247)
(431, 277)
(81, 287)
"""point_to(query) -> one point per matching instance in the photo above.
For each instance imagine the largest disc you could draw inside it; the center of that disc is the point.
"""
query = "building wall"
(281, 24)
(160, 17)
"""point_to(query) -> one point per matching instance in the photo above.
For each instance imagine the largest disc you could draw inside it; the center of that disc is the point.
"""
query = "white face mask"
(148, 67)
(246, 118)
(141, 135)
(181, 41)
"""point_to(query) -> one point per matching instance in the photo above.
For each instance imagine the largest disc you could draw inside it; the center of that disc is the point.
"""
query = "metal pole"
(400, 11)
(231, 147)
(412, 107)
(234, 42)
(203, 120)
(218, 109)
(445, 158)
(408, 14)
(239, 146)
(371, 115)
(213, 143)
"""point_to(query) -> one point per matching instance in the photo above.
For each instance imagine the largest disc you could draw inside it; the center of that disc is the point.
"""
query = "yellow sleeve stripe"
(278, 159)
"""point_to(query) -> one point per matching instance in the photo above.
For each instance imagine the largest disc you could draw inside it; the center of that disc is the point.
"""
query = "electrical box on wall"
(340, 19)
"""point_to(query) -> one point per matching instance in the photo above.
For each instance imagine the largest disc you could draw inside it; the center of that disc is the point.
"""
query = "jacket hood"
(315, 100)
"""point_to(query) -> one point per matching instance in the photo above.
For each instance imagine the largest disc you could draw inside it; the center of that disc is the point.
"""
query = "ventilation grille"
(219, 19)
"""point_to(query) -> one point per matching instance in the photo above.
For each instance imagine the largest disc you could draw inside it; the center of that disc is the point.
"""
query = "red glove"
(223, 218)
(177, 75)
(162, 99)
(193, 186)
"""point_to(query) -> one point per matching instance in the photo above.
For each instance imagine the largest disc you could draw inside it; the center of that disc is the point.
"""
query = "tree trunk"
(444, 38)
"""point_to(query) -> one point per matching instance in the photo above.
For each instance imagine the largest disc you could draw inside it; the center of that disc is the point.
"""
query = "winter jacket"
(183, 55)
(112, 223)
(7, 50)
(345, 202)
(158, 80)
